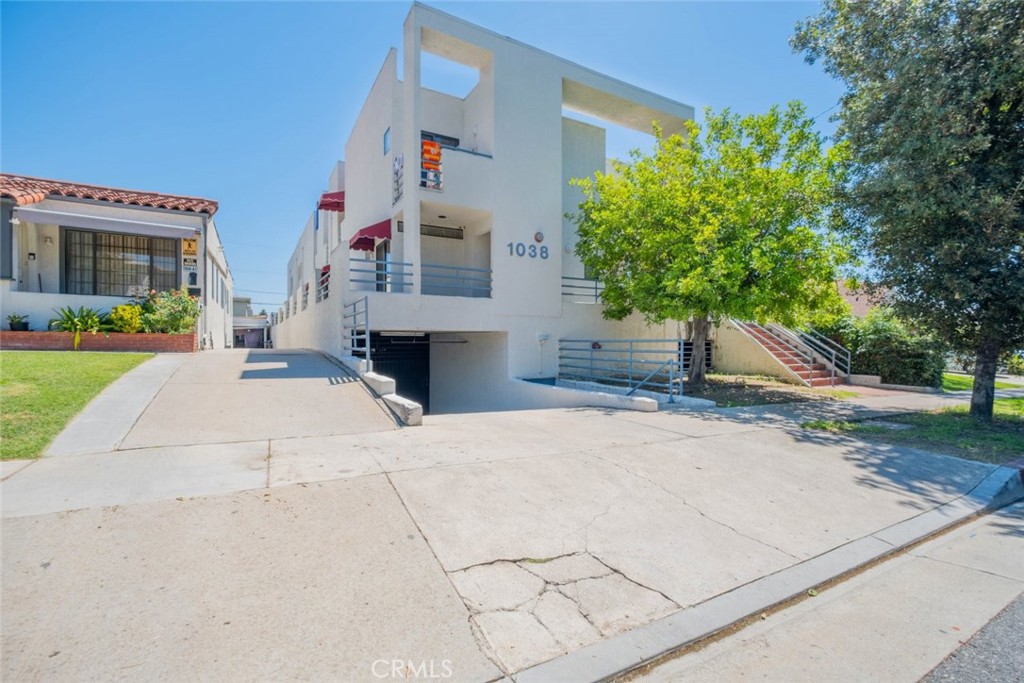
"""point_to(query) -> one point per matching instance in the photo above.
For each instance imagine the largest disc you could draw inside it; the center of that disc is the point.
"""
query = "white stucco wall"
(215, 325)
(35, 288)
(736, 353)
(514, 187)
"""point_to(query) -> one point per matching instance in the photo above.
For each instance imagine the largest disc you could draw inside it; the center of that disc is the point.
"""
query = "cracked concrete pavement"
(492, 541)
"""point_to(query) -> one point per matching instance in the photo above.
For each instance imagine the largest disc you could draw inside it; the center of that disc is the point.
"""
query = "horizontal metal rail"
(581, 289)
(445, 280)
(837, 354)
(385, 276)
(782, 350)
(655, 364)
(355, 327)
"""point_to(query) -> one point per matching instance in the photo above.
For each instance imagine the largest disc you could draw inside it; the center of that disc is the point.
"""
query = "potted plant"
(18, 323)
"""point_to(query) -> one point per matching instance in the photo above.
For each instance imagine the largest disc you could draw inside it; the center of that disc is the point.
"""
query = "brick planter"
(112, 341)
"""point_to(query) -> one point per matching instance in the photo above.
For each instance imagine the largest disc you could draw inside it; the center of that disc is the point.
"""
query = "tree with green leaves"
(934, 118)
(731, 220)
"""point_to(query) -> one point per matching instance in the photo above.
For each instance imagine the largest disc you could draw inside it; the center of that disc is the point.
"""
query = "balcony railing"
(381, 276)
(581, 290)
(437, 279)
(441, 280)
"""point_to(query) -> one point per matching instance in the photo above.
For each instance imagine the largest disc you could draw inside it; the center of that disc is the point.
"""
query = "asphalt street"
(993, 655)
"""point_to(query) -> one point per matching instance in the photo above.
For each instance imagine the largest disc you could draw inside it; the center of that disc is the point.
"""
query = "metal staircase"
(809, 357)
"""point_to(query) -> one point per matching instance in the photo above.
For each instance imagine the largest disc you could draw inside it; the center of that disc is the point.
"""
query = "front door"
(382, 255)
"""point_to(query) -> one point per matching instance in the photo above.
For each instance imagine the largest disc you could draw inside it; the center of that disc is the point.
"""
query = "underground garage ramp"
(246, 395)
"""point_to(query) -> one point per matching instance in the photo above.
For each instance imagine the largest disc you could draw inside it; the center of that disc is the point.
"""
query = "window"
(113, 264)
(443, 140)
(387, 140)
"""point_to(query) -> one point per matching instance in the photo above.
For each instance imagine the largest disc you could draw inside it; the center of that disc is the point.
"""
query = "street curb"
(608, 659)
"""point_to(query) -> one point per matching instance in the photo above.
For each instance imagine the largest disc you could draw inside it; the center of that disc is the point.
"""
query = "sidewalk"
(540, 545)
(895, 622)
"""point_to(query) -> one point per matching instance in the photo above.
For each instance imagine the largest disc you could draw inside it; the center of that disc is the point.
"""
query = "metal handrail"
(625, 362)
(841, 357)
(358, 330)
(749, 330)
(591, 289)
(477, 284)
(466, 268)
(389, 274)
(653, 373)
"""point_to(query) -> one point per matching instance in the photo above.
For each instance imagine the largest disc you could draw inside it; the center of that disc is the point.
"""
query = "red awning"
(364, 239)
(332, 201)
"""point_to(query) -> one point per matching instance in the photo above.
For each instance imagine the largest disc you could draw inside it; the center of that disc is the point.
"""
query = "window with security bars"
(112, 264)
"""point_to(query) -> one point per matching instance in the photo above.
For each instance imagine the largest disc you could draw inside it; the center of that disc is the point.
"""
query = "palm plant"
(82, 320)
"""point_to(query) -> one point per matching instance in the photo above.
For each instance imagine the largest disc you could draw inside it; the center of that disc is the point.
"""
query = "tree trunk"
(983, 395)
(698, 328)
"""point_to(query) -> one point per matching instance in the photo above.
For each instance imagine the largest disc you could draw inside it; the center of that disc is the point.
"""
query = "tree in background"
(731, 221)
(934, 119)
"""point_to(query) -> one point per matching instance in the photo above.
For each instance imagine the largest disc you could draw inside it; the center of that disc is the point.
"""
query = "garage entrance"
(406, 359)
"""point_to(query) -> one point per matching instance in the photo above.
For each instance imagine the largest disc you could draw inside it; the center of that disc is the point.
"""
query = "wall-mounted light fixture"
(48, 240)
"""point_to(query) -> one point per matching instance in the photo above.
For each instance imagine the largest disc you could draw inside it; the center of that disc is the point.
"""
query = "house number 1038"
(531, 250)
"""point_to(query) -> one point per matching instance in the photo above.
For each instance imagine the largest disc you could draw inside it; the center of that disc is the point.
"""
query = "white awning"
(77, 220)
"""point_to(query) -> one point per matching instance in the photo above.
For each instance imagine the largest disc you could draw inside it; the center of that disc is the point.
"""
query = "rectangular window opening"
(114, 264)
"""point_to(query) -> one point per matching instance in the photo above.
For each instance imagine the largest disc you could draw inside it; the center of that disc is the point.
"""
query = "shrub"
(82, 320)
(173, 312)
(881, 344)
(1015, 366)
(885, 346)
(126, 318)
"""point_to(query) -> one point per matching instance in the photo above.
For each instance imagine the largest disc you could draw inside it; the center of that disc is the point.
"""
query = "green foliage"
(947, 431)
(726, 222)
(882, 344)
(951, 382)
(83, 320)
(1015, 366)
(40, 391)
(16, 318)
(126, 318)
(933, 116)
(173, 312)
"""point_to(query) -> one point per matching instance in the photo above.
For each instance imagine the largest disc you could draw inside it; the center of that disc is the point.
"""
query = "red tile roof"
(860, 302)
(27, 190)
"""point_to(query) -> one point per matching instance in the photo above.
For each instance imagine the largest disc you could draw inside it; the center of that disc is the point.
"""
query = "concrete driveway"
(477, 545)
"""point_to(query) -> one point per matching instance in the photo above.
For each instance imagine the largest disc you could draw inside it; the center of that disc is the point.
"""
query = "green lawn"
(951, 382)
(40, 391)
(949, 431)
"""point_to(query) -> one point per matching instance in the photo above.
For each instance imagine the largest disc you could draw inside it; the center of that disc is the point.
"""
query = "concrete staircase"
(795, 356)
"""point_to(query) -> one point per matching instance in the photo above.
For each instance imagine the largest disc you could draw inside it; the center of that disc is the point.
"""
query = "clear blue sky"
(251, 103)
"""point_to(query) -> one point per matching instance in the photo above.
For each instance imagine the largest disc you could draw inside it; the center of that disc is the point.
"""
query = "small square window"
(387, 141)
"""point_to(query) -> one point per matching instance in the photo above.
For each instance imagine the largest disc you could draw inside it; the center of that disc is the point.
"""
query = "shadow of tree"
(922, 479)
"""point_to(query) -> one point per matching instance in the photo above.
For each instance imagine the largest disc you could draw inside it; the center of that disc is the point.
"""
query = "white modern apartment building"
(477, 297)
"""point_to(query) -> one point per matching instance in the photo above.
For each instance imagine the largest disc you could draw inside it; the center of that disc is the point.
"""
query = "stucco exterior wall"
(736, 353)
(35, 288)
(506, 185)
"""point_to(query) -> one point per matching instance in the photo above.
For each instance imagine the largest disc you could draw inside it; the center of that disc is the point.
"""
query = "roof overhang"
(107, 224)
(636, 113)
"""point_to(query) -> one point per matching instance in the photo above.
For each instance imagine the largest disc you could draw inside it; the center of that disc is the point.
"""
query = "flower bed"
(111, 341)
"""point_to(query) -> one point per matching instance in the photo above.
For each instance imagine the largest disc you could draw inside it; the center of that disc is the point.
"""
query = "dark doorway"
(406, 359)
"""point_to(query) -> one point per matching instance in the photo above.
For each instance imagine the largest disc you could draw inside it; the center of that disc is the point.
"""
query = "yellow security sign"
(189, 246)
